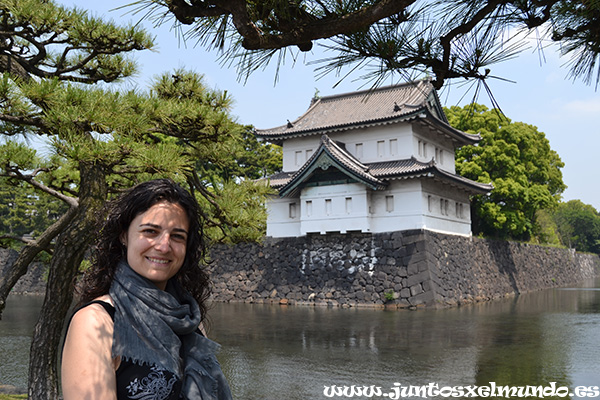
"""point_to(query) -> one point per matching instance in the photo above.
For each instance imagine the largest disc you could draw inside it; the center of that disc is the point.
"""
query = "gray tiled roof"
(375, 175)
(410, 101)
(411, 168)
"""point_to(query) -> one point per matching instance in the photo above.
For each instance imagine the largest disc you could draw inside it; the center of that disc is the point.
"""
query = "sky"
(539, 93)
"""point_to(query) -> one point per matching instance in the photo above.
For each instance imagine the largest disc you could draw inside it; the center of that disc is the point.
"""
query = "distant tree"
(518, 160)
(248, 159)
(447, 39)
(16, 211)
(578, 225)
(546, 230)
(25, 212)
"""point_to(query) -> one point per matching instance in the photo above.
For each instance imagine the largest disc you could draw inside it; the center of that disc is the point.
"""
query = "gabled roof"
(330, 155)
(374, 175)
(413, 102)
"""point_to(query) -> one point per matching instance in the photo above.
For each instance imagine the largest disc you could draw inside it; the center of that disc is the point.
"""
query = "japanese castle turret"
(371, 161)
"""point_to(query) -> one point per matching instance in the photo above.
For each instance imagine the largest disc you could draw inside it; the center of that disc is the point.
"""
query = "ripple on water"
(15, 356)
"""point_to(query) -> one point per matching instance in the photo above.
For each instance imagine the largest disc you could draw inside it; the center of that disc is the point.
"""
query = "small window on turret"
(358, 151)
(393, 147)
(348, 205)
(293, 213)
(459, 210)
(389, 203)
(380, 148)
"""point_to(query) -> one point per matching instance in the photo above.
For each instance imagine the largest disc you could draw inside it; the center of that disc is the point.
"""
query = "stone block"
(416, 289)
(412, 269)
(422, 298)
(418, 278)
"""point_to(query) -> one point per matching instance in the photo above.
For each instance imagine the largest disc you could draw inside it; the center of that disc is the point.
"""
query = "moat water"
(296, 353)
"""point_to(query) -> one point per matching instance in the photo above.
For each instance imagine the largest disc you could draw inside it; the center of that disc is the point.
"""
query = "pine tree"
(101, 141)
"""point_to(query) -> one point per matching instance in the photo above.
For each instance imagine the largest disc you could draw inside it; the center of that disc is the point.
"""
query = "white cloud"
(589, 106)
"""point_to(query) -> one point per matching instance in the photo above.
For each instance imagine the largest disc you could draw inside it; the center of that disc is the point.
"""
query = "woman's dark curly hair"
(109, 250)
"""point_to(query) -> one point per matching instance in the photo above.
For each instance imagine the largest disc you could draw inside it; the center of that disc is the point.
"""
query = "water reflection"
(16, 329)
(273, 352)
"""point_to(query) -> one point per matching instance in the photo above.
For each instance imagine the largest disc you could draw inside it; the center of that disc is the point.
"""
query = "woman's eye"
(179, 238)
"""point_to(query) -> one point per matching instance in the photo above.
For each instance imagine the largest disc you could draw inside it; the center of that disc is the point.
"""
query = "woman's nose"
(163, 242)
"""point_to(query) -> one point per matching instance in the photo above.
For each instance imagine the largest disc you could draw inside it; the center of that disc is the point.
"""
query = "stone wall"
(33, 282)
(398, 269)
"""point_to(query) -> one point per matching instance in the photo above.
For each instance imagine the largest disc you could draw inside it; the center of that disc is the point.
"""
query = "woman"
(137, 333)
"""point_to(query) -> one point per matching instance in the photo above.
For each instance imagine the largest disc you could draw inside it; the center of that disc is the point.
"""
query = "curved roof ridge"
(367, 92)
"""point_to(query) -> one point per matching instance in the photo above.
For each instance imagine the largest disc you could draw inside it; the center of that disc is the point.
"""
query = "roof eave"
(456, 135)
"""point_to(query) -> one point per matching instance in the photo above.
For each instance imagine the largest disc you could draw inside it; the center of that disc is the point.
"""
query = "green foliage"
(546, 231)
(243, 206)
(25, 212)
(518, 160)
(389, 295)
(225, 156)
(578, 225)
(48, 40)
(12, 396)
(177, 127)
(247, 158)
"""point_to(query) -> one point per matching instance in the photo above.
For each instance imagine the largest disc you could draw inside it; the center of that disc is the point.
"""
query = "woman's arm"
(88, 369)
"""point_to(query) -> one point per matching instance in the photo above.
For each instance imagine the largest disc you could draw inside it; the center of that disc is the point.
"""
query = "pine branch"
(300, 33)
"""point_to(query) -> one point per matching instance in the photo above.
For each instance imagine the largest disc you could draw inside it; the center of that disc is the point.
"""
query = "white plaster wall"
(377, 146)
(407, 210)
(411, 199)
(279, 223)
(370, 137)
(417, 204)
(336, 208)
(296, 151)
(436, 146)
(447, 209)
(396, 144)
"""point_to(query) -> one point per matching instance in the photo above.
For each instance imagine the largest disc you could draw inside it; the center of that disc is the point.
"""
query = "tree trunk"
(71, 246)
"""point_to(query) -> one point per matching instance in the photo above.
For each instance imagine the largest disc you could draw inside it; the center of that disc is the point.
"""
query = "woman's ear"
(123, 238)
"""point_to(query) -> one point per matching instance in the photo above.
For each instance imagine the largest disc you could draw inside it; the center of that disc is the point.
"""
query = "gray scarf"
(155, 327)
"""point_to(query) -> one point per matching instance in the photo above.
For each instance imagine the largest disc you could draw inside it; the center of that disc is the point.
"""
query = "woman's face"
(156, 242)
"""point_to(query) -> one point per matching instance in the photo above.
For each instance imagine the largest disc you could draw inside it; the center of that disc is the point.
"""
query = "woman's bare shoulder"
(93, 313)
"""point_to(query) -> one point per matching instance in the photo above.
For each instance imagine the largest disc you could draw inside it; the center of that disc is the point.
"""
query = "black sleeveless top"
(142, 382)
